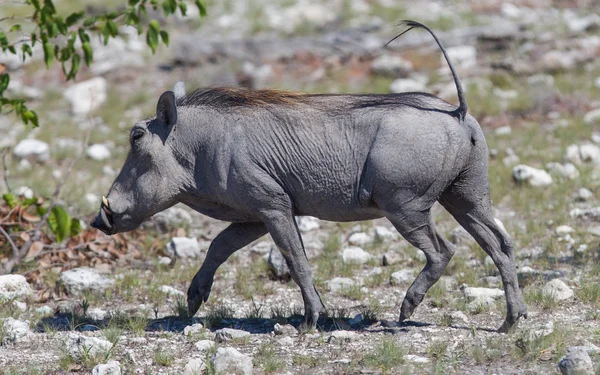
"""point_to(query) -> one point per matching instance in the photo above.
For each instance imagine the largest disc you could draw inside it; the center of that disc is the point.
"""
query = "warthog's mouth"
(104, 220)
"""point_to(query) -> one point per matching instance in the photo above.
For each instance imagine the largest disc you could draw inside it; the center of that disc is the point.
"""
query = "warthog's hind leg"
(418, 229)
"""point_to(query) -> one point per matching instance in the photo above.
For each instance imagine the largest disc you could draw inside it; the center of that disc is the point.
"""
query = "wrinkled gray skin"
(336, 157)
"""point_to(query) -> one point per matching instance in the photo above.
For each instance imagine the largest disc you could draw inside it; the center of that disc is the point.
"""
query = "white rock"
(194, 329)
(165, 261)
(286, 342)
(583, 195)
(533, 176)
(98, 152)
(32, 150)
(228, 334)
(355, 255)
(558, 290)
(24, 191)
(79, 280)
(586, 153)
(44, 310)
(505, 95)
(360, 239)
(459, 316)
(110, 368)
(92, 199)
(14, 287)
(205, 345)
(391, 257)
(391, 66)
(479, 303)
(407, 85)
(170, 291)
(15, 330)
(78, 345)
(184, 247)
(561, 230)
(96, 313)
(385, 234)
(338, 284)
(592, 117)
(401, 277)
(576, 362)
(596, 137)
(503, 130)
(262, 247)
(230, 360)
(195, 366)
(566, 170)
(416, 359)
(461, 56)
(511, 10)
(540, 331)
(474, 293)
(87, 96)
(307, 223)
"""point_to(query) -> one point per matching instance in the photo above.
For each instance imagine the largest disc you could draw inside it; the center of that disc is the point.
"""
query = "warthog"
(258, 158)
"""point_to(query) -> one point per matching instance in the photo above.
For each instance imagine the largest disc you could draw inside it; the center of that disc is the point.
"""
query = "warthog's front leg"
(285, 234)
(231, 239)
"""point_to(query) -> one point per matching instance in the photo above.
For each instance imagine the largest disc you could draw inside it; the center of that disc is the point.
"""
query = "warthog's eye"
(137, 134)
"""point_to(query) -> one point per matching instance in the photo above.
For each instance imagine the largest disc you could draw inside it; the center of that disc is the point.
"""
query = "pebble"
(359, 239)
(184, 247)
(307, 223)
(385, 234)
(170, 291)
(194, 366)
(194, 329)
(205, 345)
(278, 268)
(391, 66)
(338, 284)
(98, 152)
(401, 277)
(228, 334)
(533, 176)
(576, 362)
(558, 290)
(583, 195)
(355, 255)
(87, 96)
(32, 150)
(286, 330)
(110, 368)
(79, 280)
(14, 287)
(79, 345)
(230, 360)
(14, 330)
(391, 257)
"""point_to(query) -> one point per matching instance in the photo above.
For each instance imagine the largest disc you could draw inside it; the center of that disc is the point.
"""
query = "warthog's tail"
(461, 111)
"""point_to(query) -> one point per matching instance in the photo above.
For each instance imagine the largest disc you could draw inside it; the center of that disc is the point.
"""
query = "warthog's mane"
(239, 97)
(228, 97)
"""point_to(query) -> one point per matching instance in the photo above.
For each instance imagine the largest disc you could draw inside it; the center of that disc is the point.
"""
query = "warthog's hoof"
(196, 296)
(510, 324)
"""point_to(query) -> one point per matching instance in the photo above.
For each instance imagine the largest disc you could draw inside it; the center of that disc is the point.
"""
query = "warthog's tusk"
(105, 202)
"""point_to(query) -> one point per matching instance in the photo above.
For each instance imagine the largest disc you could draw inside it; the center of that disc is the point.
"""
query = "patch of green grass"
(437, 294)
(216, 314)
(162, 357)
(533, 296)
(112, 333)
(589, 292)
(353, 292)
(531, 347)
(268, 359)
(437, 350)
(309, 361)
(385, 356)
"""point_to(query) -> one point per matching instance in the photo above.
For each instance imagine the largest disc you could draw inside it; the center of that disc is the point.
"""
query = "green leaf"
(4, 81)
(29, 201)
(14, 28)
(48, 53)
(59, 222)
(3, 40)
(152, 39)
(75, 227)
(41, 210)
(90, 21)
(165, 37)
(88, 54)
(166, 5)
(183, 8)
(154, 25)
(111, 15)
(75, 62)
(112, 27)
(65, 54)
(201, 7)
(30, 116)
(83, 36)
(33, 40)
(26, 50)
(11, 200)
(73, 18)
(133, 2)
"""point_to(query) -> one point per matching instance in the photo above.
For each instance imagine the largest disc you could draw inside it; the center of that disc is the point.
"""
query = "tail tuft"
(462, 109)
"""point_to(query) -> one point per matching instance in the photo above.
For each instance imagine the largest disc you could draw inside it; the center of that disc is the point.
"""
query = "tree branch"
(10, 241)
(19, 254)
(5, 169)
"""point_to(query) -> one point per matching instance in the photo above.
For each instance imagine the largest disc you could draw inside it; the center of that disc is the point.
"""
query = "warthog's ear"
(166, 111)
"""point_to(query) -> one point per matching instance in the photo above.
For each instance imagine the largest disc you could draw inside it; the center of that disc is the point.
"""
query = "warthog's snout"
(103, 220)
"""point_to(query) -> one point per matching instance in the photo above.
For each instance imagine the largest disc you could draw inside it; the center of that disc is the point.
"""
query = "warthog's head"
(148, 182)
